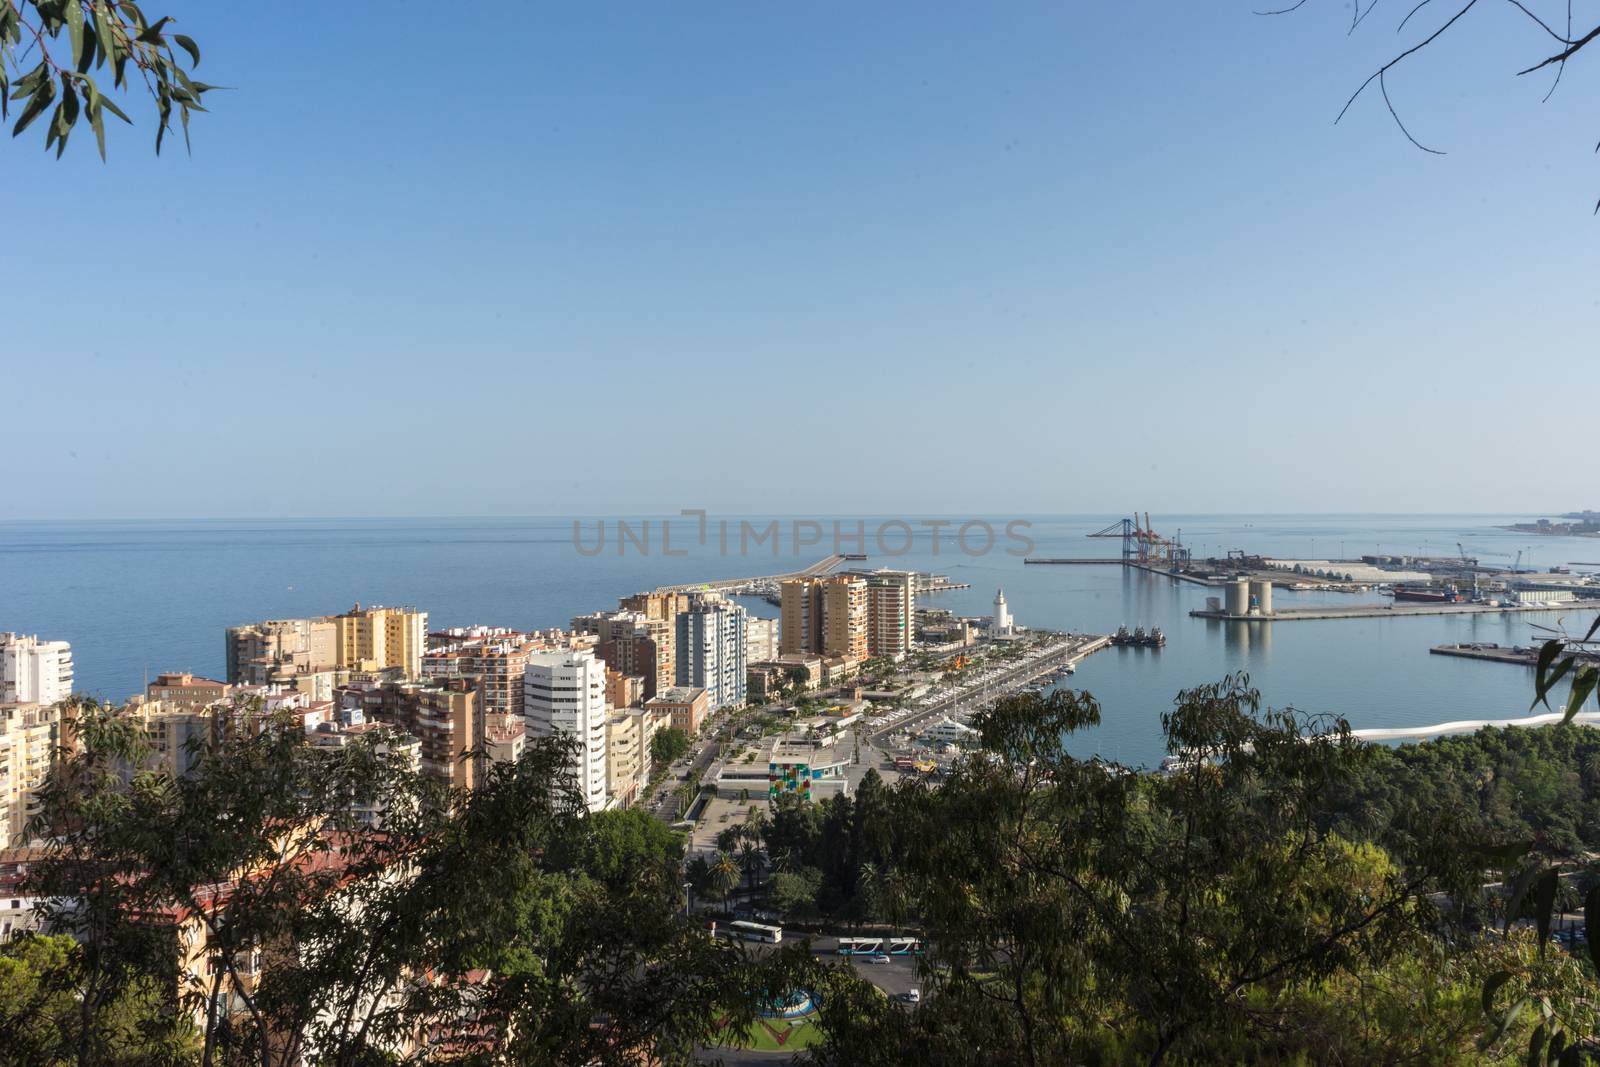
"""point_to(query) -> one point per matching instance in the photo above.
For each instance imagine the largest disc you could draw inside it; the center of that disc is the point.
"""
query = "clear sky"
(599, 258)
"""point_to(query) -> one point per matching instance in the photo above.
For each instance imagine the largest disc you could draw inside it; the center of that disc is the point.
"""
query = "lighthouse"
(1001, 627)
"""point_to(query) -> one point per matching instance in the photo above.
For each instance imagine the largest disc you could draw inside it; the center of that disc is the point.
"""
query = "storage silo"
(1263, 594)
(1214, 605)
(1239, 597)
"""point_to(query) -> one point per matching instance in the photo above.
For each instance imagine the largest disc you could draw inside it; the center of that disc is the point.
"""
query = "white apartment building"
(564, 694)
(760, 639)
(711, 649)
(34, 671)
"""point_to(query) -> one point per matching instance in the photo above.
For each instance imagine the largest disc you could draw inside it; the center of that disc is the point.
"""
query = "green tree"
(794, 893)
(617, 847)
(74, 45)
(752, 862)
(722, 876)
(1068, 904)
(42, 1020)
(668, 746)
(323, 933)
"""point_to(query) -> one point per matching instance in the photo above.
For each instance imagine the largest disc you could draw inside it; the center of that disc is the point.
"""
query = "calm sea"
(138, 597)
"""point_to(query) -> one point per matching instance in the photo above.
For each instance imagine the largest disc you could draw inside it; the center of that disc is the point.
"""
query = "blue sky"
(827, 258)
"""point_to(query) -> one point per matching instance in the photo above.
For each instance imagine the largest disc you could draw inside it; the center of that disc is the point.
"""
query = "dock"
(1493, 653)
(1378, 611)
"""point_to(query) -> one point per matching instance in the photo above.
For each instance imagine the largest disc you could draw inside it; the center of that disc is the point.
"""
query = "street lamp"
(688, 898)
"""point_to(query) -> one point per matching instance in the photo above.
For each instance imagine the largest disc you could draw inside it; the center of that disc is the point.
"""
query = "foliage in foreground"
(499, 925)
(1287, 896)
(70, 42)
(1226, 913)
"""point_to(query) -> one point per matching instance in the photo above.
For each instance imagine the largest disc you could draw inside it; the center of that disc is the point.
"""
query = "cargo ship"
(1422, 594)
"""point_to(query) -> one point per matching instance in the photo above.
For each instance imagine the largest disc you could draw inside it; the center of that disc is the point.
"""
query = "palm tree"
(751, 862)
(723, 876)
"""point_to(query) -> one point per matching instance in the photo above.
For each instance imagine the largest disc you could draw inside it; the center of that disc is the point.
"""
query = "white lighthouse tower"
(1001, 627)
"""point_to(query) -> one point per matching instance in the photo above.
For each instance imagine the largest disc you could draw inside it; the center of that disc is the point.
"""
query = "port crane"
(1470, 565)
(1142, 545)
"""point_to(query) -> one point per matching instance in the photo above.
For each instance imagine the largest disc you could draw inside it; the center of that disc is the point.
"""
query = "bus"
(860, 946)
(905, 946)
(750, 931)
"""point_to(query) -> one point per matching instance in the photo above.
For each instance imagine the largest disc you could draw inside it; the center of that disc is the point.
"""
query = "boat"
(1139, 638)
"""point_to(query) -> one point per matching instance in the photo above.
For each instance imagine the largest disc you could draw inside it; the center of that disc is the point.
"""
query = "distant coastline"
(1579, 524)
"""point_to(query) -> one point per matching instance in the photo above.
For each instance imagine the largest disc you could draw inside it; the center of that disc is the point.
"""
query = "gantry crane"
(1142, 545)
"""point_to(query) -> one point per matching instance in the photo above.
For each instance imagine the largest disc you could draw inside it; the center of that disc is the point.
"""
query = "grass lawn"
(776, 1035)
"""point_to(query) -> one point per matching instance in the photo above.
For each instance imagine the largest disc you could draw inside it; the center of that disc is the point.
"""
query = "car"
(912, 996)
(879, 958)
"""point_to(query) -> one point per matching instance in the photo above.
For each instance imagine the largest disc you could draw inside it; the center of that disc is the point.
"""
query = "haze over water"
(155, 596)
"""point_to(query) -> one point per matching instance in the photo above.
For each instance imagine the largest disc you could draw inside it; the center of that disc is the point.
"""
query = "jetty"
(753, 585)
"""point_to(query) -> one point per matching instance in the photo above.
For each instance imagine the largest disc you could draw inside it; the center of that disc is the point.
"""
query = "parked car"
(912, 996)
(879, 958)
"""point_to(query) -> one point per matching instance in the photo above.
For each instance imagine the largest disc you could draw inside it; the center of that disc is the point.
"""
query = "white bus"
(860, 946)
(905, 946)
(755, 931)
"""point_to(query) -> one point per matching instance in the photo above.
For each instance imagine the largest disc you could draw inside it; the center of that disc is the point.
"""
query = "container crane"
(1470, 564)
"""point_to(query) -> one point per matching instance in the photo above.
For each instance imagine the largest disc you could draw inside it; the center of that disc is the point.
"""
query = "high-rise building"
(30, 735)
(711, 650)
(298, 653)
(565, 695)
(760, 639)
(443, 717)
(844, 618)
(660, 605)
(379, 639)
(632, 642)
(799, 616)
(176, 732)
(492, 659)
(314, 655)
(624, 690)
(891, 613)
(825, 616)
(34, 671)
(623, 758)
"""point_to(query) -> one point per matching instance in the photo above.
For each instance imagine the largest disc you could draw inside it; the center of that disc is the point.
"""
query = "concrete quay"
(1378, 611)
(1523, 657)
